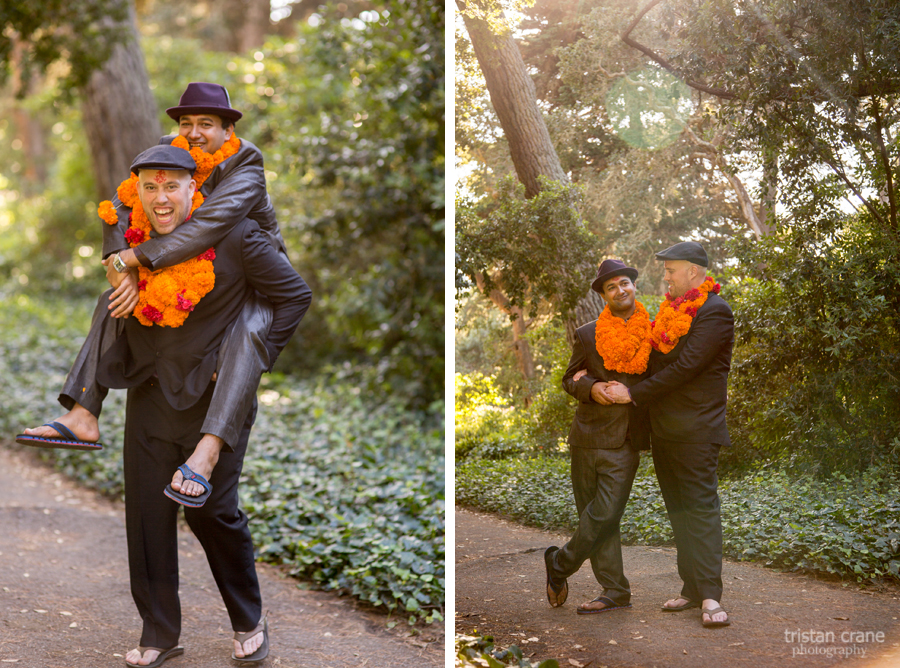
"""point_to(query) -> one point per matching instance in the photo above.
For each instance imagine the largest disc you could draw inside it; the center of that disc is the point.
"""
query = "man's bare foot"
(600, 603)
(202, 461)
(679, 603)
(134, 657)
(249, 646)
(79, 420)
(711, 604)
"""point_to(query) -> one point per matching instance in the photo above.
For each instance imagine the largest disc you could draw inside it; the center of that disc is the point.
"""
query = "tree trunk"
(513, 97)
(515, 102)
(249, 23)
(524, 356)
(27, 128)
(588, 308)
(119, 112)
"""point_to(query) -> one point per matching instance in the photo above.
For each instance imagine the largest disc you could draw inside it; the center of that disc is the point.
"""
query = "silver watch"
(118, 264)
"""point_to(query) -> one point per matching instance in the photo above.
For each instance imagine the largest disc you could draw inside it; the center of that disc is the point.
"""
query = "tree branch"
(839, 171)
(758, 227)
(886, 163)
(665, 64)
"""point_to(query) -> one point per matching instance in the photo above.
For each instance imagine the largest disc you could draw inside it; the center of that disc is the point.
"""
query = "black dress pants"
(687, 479)
(158, 439)
(601, 481)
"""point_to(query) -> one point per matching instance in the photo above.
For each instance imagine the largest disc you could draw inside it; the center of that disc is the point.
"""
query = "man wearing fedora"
(236, 189)
(167, 371)
(686, 396)
(604, 440)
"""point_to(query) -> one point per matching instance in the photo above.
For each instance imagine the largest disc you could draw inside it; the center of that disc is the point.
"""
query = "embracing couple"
(636, 379)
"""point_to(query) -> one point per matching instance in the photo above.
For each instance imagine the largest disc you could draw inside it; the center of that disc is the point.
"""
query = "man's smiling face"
(166, 197)
(619, 294)
(204, 131)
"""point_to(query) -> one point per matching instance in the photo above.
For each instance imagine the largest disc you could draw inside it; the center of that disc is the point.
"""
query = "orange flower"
(192, 280)
(107, 212)
(676, 315)
(624, 347)
(127, 191)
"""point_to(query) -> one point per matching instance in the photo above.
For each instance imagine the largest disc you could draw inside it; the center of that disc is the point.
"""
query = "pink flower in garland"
(152, 314)
(208, 255)
(184, 304)
(142, 285)
(134, 236)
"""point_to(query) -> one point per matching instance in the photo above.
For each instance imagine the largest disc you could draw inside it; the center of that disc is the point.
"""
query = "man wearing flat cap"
(168, 370)
(604, 440)
(692, 338)
(235, 189)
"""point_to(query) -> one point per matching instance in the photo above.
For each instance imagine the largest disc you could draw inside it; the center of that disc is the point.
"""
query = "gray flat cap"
(686, 250)
(164, 156)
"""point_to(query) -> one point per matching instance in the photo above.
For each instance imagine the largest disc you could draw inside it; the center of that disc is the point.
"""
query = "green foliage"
(80, 33)
(482, 418)
(534, 249)
(477, 650)
(820, 325)
(846, 527)
(349, 502)
(350, 117)
(548, 418)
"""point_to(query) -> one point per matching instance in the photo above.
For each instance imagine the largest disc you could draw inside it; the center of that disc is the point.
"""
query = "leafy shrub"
(482, 418)
(817, 330)
(480, 651)
(347, 491)
(849, 528)
(547, 420)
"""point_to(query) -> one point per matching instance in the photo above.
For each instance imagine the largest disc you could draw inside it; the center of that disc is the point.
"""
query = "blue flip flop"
(184, 499)
(66, 439)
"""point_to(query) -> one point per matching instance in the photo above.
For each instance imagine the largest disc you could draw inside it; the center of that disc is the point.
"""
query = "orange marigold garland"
(624, 347)
(676, 315)
(107, 212)
(167, 296)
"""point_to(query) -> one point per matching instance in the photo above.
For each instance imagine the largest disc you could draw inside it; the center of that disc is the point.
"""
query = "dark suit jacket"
(687, 389)
(185, 357)
(595, 425)
(236, 189)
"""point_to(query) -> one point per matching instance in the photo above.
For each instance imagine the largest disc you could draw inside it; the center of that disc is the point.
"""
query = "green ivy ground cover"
(346, 490)
(849, 528)
(479, 651)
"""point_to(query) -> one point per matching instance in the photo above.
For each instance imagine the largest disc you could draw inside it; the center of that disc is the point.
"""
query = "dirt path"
(500, 591)
(65, 600)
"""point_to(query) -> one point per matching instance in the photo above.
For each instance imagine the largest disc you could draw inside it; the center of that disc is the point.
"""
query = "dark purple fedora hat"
(610, 268)
(204, 98)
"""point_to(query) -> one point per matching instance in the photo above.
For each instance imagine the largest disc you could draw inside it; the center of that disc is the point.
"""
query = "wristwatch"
(118, 264)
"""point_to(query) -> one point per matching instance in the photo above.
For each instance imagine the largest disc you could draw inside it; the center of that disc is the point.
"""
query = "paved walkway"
(500, 591)
(65, 600)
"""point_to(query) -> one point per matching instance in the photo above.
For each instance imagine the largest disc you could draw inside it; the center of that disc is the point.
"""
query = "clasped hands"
(605, 393)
